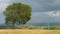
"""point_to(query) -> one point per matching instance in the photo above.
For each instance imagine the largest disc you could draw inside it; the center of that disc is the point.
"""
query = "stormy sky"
(42, 10)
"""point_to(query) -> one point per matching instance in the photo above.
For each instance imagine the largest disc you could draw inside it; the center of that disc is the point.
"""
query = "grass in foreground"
(17, 31)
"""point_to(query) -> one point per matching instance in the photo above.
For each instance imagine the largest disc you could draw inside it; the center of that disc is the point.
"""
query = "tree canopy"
(17, 13)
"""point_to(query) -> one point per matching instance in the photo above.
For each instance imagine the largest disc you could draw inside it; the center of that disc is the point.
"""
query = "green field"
(34, 27)
(41, 27)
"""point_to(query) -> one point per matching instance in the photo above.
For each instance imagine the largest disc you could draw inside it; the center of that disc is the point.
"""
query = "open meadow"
(18, 31)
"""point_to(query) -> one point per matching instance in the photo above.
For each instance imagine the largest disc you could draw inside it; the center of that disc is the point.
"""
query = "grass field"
(42, 27)
(17, 31)
(32, 30)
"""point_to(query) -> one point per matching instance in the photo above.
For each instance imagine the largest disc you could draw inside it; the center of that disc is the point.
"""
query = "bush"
(30, 28)
(50, 28)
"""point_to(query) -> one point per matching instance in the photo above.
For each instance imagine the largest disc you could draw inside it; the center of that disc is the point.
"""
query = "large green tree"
(17, 13)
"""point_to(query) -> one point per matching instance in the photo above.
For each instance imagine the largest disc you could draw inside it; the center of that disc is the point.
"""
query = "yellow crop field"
(17, 31)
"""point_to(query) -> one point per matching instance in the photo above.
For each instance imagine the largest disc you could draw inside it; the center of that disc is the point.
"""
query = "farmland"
(18, 31)
(31, 27)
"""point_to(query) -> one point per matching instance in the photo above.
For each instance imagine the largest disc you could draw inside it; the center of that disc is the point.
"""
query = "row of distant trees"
(17, 13)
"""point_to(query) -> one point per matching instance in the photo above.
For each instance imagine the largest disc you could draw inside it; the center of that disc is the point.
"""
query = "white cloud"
(4, 4)
(54, 14)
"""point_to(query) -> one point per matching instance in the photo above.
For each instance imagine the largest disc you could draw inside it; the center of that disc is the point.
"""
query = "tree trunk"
(13, 25)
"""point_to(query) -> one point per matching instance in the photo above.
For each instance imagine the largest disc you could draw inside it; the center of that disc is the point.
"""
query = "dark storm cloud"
(41, 5)
(47, 5)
